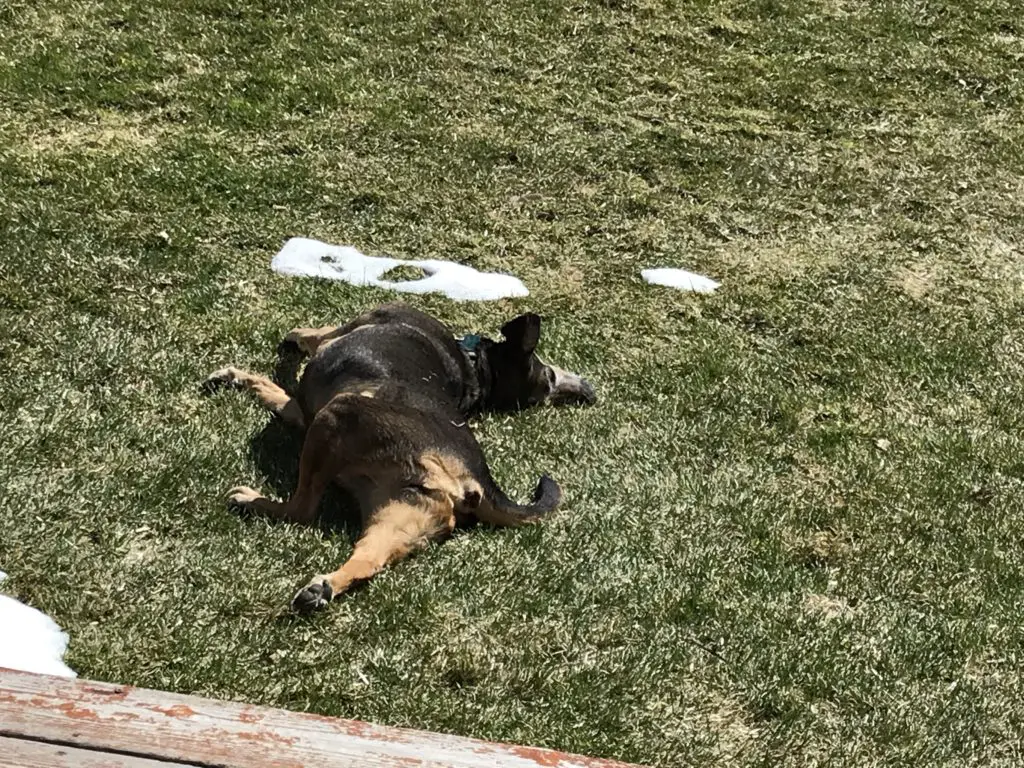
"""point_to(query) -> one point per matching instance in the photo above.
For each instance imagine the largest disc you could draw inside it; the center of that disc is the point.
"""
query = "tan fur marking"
(269, 395)
(449, 475)
(392, 533)
(300, 508)
(369, 393)
(312, 340)
(309, 339)
(327, 343)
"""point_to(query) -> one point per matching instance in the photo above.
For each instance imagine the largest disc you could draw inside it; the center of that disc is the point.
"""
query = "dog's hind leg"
(316, 465)
(301, 343)
(300, 508)
(392, 533)
(308, 340)
(269, 394)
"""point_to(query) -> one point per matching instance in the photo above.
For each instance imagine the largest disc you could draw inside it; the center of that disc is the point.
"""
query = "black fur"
(426, 386)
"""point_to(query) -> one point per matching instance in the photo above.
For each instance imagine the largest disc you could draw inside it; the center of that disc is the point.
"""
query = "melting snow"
(30, 640)
(312, 258)
(679, 278)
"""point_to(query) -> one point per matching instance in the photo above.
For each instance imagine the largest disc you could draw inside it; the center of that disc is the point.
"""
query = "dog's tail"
(498, 509)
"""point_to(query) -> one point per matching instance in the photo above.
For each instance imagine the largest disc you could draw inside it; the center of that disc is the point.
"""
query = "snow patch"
(312, 258)
(30, 640)
(679, 278)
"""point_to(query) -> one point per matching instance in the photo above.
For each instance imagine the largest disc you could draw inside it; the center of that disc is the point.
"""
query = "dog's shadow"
(275, 451)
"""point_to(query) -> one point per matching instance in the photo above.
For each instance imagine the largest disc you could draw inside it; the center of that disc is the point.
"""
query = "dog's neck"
(478, 383)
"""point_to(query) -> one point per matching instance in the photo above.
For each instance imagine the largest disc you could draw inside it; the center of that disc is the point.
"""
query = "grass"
(792, 525)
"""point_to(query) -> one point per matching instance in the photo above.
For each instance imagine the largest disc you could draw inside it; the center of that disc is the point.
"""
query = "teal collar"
(470, 342)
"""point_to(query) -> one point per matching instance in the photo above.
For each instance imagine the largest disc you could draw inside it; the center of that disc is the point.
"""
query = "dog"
(384, 403)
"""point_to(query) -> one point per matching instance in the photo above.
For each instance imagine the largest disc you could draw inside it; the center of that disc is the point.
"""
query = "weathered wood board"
(19, 753)
(54, 721)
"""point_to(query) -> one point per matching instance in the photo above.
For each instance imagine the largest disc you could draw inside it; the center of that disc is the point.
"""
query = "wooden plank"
(18, 753)
(205, 732)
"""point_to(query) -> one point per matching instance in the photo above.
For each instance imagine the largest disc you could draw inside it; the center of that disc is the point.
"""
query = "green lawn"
(792, 532)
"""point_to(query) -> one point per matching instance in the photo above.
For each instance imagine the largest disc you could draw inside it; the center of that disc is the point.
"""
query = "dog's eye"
(544, 387)
(549, 377)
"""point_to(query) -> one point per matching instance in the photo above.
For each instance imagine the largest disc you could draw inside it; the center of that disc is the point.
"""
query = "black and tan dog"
(384, 401)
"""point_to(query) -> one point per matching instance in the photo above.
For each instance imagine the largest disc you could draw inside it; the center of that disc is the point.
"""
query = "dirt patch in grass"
(104, 132)
(827, 607)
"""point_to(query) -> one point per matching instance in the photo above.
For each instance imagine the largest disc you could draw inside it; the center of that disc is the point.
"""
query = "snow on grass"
(30, 640)
(312, 258)
(679, 278)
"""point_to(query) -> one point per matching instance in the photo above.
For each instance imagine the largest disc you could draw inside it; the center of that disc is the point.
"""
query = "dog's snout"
(571, 389)
(587, 392)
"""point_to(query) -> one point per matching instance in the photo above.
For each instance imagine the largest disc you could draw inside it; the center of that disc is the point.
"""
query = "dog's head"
(519, 379)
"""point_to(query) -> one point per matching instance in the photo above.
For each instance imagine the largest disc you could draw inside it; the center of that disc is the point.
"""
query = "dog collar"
(470, 342)
(478, 386)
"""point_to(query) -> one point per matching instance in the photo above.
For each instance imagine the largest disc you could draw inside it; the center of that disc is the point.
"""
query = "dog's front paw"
(242, 496)
(314, 596)
(221, 379)
(289, 349)
(301, 341)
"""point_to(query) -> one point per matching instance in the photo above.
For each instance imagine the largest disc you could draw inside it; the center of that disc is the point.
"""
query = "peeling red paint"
(322, 718)
(360, 729)
(227, 750)
(114, 692)
(364, 730)
(78, 713)
(547, 758)
(178, 710)
(248, 717)
(265, 736)
(225, 736)
(541, 757)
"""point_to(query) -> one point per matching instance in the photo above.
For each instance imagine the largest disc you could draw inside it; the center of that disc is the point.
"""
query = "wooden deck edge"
(141, 725)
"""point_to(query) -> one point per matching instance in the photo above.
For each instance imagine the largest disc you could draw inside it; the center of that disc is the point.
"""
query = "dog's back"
(414, 354)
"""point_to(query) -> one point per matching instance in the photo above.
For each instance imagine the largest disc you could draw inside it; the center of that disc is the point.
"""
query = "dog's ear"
(523, 332)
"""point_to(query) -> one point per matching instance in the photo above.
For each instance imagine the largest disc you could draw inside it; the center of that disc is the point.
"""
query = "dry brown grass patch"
(827, 607)
(105, 132)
